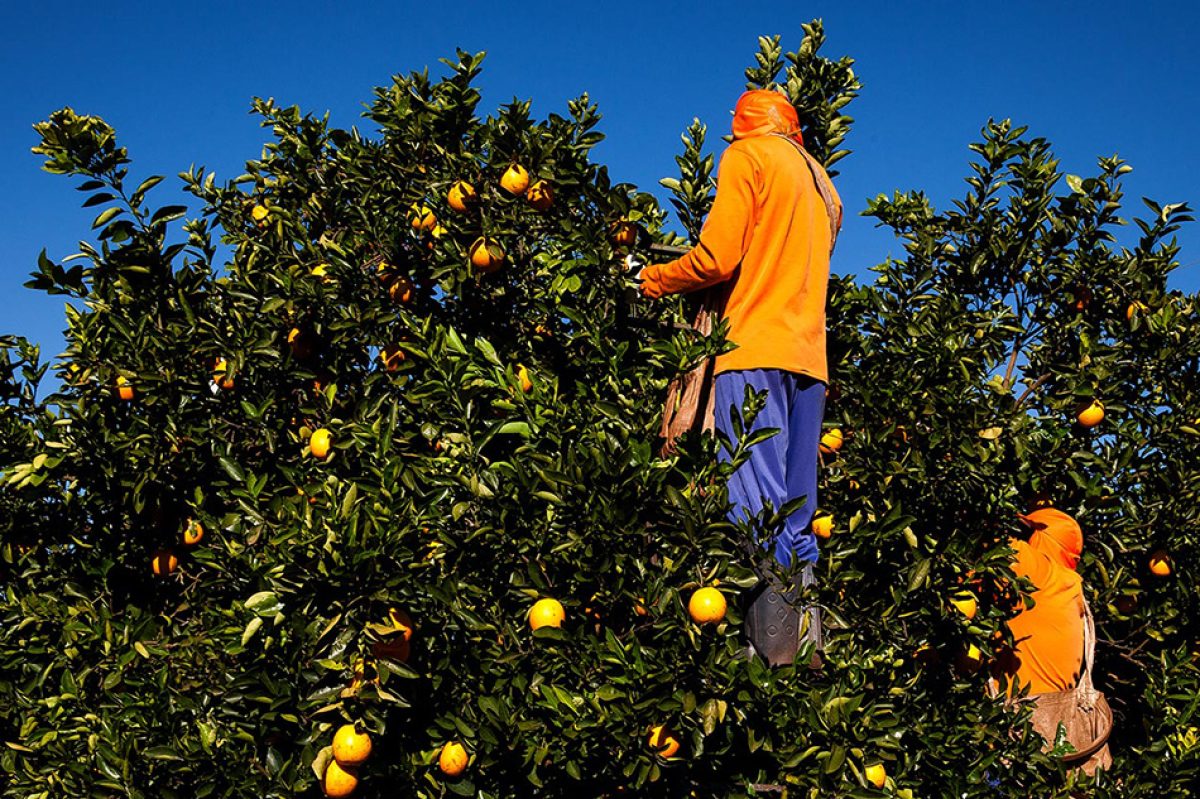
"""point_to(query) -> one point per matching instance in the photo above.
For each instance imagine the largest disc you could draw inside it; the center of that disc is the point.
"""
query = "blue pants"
(784, 466)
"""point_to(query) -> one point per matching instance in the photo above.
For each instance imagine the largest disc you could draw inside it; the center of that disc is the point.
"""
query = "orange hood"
(1056, 535)
(761, 112)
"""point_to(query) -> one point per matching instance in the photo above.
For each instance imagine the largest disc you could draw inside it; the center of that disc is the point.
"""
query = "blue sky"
(175, 80)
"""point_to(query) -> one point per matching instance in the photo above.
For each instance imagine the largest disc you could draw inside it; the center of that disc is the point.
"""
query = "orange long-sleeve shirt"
(768, 237)
(1049, 636)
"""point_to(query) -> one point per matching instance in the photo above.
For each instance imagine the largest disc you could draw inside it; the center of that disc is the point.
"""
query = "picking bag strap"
(833, 207)
(1085, 689)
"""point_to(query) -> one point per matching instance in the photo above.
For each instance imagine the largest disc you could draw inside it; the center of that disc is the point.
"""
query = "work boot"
(777, 626)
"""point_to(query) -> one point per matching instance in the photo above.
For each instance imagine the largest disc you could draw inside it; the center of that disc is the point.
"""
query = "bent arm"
(724, 240)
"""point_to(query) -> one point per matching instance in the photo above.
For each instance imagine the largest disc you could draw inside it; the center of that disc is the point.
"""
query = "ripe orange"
(423, 218)
(398, 650)
(540, 196)
(486, 255)
(966, 604)
(301, 343)
(640, 607)
(1090, 415)
(969, 660)
(259, 213)
(1137, 306)
(164, 562)
(1083, 297)
(524, 379)
(546, 613)
(707, 605)
(515, 180)
(832, 441)
(124, 388)
(453, 759)
(339, 782)
(663, 741)
(401, 290)
(220, 375)
(392, 356)
(386, 273)
(318, 444)
(402, 623)
(625, 234)
(193, 533)
(822, 525)
(462, 196)
(1160, 563)
(876, 774)
(351, 747)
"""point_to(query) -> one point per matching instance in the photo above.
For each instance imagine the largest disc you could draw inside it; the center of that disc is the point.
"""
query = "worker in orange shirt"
(765, 248)
(1051, 637)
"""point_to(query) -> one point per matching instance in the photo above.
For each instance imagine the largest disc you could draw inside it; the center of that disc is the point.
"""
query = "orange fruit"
(193, 533)
(524, 379)
(220, 375)
(398, 650)
(1090, 415)
(423, 218)
(625, 234)
(351, 747)
(1137, 306)
(876, 774)
(164, 562)
(832, 441)
(124, 388)
(965, 603)
(386, 273)
(339, 782)
(486, 255)
(1160, 563)
(401, 290)
(970, 659)
(1083, 297)
(462, 196)
(301, 343)
(515, 180)
(392, 356)
(453, 759)
(540, 196)
(546, 613)
(822, 525)
(259, 213)
(640, 607)
(318, 444)
(663, 741)
(707, 605)
(401, 623)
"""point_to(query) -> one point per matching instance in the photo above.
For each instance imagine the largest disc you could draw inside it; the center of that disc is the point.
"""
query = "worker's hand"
(633, 264)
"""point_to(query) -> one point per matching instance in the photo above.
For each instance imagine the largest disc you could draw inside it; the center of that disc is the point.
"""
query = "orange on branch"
(876, 774)
(351, 747)
(546, 613)
(662, 741)
(540, 196)
(339, 781)
(831, 441)
(423, 217)
(822, 525)
(486, 255)
(319, 443)
(462, 196)
(515, 180)
(124, 388)
(1091, 414)
(707, 605)
(625, 234)
(453, 759)
(1160, 563)
(164, 562)
(193, 533)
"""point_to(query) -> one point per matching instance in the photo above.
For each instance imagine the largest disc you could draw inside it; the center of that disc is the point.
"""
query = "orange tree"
(314, 461)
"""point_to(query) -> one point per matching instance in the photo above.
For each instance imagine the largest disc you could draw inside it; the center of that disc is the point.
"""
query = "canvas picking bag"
(1083, 713)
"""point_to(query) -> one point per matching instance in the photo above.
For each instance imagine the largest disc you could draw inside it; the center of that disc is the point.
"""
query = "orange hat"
(760, 112)
(1056, 535)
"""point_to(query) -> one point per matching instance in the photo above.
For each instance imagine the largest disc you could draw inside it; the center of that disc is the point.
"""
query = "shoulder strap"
(1084, 687)
(833, 208)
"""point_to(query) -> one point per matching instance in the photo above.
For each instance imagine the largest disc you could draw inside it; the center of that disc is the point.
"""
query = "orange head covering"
(760, 112)
(1056, 535)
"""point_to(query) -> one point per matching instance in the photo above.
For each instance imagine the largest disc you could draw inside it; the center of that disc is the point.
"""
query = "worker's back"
(1049, 636)
(776, 304)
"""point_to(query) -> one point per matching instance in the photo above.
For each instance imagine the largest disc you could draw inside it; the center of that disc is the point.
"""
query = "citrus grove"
(350, 482)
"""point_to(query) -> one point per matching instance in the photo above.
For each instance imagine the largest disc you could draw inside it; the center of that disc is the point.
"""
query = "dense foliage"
(492, 443)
